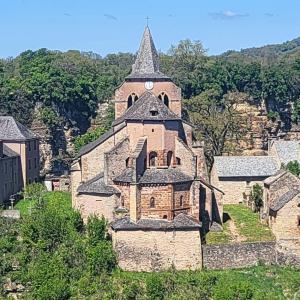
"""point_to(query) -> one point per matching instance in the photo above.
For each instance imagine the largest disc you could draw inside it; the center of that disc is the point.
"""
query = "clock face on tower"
(148, 85)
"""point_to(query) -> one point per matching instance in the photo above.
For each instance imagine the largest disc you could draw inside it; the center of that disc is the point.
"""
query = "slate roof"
(125, 176)
(287, 150)
(12, 130)
(275, 177)
(181, 221)
(170, 175)
(245, 166)
(142, 108)
(285, 198)
(87, 148)
(96, 185)
(146, 65)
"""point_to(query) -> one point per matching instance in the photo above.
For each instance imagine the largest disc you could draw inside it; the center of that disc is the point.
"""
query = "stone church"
(147, 175)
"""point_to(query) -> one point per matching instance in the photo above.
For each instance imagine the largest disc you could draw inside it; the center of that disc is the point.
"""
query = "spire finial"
(147, 20)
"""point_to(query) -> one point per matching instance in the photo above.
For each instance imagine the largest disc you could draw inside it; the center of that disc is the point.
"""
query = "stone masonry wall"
(93, 162)
(123, 92)
(98, 205)
(187, 157)
(233, 189)
(238, 255)
(163, 200)
(115, 160)
(286, 223)
(148, 251)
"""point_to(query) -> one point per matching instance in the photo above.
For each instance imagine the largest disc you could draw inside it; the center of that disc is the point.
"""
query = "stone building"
(10, 171)
(147, 175)
(235, 175)
(19, 157)
(281, 208)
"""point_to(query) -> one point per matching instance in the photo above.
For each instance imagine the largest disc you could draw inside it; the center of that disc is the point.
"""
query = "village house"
(147, 175)
(236, 175)
(19, 157)
(281, 209)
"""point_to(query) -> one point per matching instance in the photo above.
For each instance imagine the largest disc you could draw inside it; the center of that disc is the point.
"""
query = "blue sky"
(110, 26)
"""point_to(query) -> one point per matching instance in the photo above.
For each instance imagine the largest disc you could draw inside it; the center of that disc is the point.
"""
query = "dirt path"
(235, 233)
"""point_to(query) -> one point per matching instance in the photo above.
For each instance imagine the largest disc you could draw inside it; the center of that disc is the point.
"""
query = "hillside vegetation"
(64, 89)
(49, 254)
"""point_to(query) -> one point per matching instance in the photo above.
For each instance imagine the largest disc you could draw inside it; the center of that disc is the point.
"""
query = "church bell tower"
(146, 76)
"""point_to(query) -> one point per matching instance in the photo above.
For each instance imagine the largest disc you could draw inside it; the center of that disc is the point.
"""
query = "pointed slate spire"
(147, 61)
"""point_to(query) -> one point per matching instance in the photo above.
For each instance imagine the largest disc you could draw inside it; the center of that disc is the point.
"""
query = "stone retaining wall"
(238, 255)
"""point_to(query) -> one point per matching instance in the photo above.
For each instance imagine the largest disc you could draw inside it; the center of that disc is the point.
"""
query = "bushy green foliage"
(73, 261)
(256, 196)
(88, 137)
(293, 167)
(273, 115)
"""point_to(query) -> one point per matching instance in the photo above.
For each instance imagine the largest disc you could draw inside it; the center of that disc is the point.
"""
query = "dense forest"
(67, 87)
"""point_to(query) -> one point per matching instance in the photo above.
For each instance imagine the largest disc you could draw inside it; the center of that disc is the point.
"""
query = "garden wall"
(238, 255)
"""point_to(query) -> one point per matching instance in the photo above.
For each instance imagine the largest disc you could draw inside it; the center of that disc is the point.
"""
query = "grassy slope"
(247, 223)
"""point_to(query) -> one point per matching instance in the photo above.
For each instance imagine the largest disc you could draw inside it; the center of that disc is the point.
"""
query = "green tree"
(256, 196)
(216, 119)
(293, 167)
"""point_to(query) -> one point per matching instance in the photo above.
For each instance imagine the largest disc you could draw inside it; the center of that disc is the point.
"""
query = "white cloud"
(228, 15)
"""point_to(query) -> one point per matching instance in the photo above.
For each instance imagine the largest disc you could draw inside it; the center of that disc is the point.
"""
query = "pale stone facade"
(282, 207)
(148, 169)
(236, 175)
(19, 157)
(158, 250)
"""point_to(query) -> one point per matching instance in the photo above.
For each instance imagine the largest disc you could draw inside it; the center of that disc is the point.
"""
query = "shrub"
(257, 196)
(293, 167)
(101, 258)
(96, 230)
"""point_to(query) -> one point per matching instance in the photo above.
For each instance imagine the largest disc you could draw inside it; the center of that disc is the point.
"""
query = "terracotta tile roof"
(181, 221)
(245, 166)
(12, 130)
(147, 107)
(96, 185)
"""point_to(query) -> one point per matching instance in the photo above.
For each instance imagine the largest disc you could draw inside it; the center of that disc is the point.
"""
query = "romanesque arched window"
(131, 99)
(164, 97)
(181, 201)
(169, 158)
(152, 202)
(152, 159)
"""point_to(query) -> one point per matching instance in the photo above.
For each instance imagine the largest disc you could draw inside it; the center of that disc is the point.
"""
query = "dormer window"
(153, 111)
(164, 97)
(131, 99)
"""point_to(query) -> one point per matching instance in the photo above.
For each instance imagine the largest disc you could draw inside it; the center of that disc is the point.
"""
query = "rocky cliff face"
(56, 144)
